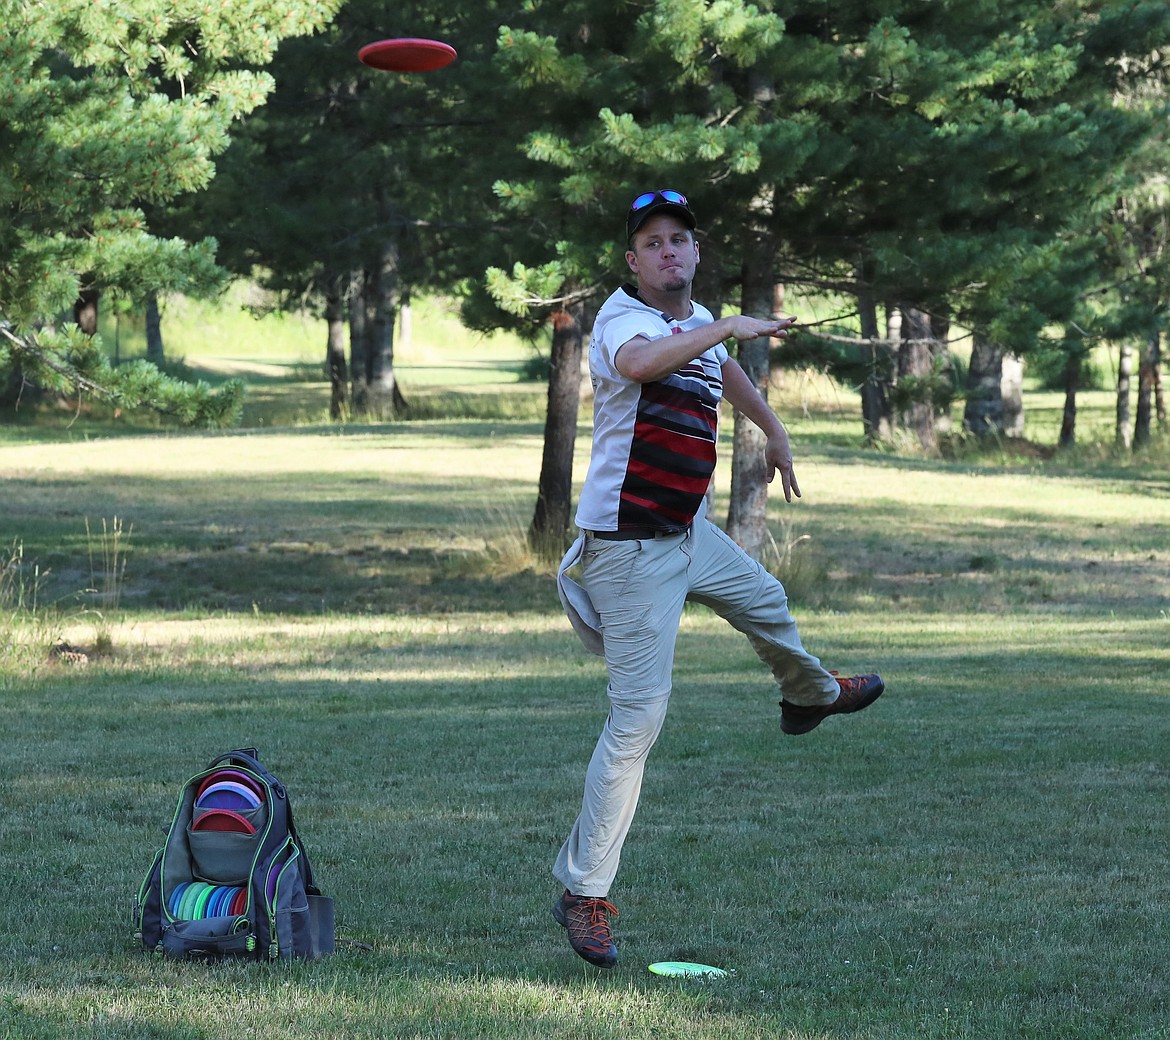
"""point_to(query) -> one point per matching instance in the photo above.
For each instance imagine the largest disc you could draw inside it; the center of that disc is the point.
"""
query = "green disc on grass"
(686, 970)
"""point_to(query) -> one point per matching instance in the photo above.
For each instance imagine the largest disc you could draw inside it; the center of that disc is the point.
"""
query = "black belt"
(630, 534)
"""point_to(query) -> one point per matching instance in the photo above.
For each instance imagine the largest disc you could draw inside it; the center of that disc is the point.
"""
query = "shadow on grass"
(365, 544)
(384, 532)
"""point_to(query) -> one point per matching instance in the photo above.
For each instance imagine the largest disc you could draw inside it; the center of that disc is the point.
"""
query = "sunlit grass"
(242, 326)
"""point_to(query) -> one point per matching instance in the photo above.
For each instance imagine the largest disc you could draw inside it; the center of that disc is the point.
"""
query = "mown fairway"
(980, 855)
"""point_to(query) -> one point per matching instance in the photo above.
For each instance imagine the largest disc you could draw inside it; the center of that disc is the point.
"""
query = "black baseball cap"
(665, 201)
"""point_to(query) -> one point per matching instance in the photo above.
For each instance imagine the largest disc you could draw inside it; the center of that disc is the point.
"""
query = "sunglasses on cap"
(650, 202)
(667, 195)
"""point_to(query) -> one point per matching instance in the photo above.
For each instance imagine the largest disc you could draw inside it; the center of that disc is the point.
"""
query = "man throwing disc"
(659, 368)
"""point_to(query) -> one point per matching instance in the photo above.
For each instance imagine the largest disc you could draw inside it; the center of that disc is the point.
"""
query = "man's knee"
(636, 718)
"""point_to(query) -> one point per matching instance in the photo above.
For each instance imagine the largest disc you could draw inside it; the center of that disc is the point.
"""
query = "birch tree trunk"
(1011, 393)
(1122, 437)
(386, 398)
(943, 368)
(154, 338)
(1145, 399)
(335, 354)
(876, 416)
(1156, 365)
(359, 345)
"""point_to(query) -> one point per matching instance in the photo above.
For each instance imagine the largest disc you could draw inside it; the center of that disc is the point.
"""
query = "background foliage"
(993, 166)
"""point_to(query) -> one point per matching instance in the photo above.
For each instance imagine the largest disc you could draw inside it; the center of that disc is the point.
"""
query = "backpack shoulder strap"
(247, 757)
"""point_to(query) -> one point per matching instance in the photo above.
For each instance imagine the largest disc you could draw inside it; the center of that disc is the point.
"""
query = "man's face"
(664, 254)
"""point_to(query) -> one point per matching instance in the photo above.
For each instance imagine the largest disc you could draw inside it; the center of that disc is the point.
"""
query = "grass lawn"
(980, 855)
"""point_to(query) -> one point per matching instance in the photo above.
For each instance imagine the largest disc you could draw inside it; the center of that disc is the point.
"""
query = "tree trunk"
(1145, 399)
(85, 311)
(154, 338)
(747, 513)
(711, 296)
(943, 367)
(335, 354)
(405, 322)
(1072, 383)
(1156, 366)
(775, 371)
(915, 367)
(386, 398)
(876, 414)
(1122, 437)
(548, 531)
(359, 345)
(983, 415)
(1011, 393)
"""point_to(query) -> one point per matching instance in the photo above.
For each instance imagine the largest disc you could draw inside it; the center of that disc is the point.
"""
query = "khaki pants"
(638, 588)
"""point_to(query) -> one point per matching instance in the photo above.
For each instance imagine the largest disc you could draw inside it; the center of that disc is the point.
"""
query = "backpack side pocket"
(147, 915)
(297, 924)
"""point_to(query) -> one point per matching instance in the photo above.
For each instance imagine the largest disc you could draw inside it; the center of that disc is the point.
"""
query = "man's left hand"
(778, 459)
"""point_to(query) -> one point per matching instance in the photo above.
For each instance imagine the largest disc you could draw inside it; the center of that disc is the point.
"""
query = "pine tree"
(104, 111)
(979, 146)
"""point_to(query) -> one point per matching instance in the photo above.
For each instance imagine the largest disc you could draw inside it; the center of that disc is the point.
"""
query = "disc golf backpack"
(233, 877)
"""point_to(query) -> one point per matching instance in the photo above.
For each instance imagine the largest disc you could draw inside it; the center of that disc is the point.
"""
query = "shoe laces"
(597, 926)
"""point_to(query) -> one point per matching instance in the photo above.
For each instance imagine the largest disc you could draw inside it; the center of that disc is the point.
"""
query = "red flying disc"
(223, 820)
(239, 903)
(407, 54)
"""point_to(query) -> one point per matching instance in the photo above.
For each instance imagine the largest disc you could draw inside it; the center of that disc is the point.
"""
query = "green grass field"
(980, 855)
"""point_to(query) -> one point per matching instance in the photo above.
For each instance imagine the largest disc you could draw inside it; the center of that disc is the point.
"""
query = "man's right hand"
(743, 326)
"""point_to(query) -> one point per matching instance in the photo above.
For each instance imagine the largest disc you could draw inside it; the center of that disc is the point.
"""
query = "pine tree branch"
(157, 391)
(878, 341)
(563, 301)
(29, 345)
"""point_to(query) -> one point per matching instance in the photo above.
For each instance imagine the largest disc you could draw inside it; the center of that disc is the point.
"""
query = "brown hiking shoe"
(857, 692)
(586, 919)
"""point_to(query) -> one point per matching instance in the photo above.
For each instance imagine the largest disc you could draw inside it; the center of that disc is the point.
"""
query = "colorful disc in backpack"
(229, 894)
(177, 898)
(240, 903)
(205, 906)
(188, 901)
(270, 883)
(223, 820)
(215, 903)
(199, 911)
(224, 907)
(249, 781)
(228, 794)
(234, 775)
